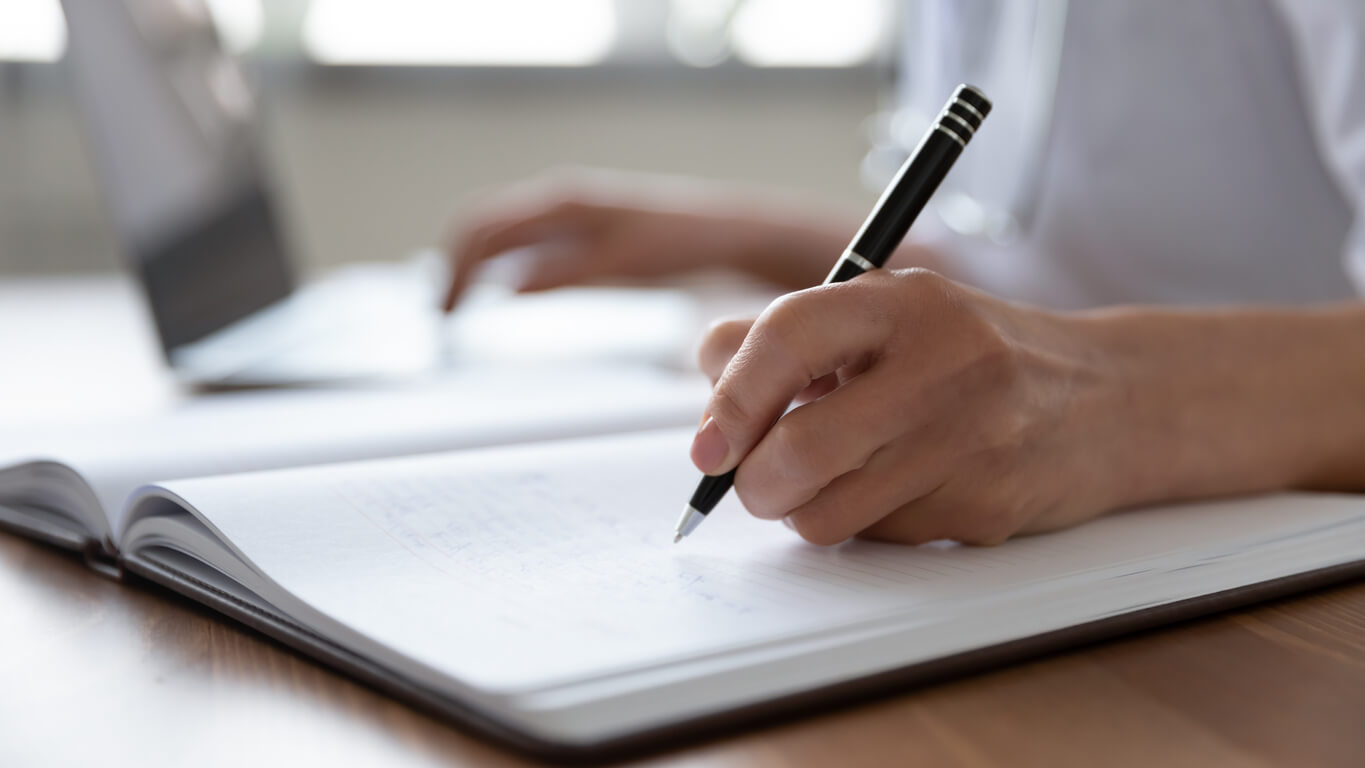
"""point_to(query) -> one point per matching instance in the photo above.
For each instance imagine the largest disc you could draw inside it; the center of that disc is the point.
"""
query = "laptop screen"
(169, 118)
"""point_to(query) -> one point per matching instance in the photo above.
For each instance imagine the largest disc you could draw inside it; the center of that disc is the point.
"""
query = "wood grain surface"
(96, 673)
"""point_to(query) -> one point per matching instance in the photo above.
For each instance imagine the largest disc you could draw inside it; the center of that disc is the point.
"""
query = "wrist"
(1232, 402)
(1146, 445)
(1106, 461)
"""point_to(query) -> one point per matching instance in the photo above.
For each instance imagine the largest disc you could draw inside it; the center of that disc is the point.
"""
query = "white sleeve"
(1329, 44)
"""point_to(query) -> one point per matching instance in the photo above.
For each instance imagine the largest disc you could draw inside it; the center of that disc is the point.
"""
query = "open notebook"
(533, 591)
(68, 485)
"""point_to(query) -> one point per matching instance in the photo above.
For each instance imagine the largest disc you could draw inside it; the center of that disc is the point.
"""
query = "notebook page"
(258, 430)
(520, 567)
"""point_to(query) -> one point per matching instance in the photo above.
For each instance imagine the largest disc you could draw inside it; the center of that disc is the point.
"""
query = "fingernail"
(709, 448)
(787, 521)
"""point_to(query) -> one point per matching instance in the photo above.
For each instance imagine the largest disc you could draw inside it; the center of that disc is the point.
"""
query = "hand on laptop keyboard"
(596, 225)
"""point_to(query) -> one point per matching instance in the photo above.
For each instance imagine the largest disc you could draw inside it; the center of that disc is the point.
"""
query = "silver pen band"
(950, 135)
(968, 126)
(969, 108)
(858, 260)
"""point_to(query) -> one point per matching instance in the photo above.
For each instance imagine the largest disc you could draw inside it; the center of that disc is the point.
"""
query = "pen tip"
(690, 519)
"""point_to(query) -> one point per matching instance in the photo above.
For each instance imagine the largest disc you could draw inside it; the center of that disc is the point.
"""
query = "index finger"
(503, 233)
(798, 339)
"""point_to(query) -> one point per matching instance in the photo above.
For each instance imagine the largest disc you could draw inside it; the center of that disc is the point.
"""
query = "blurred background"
(383, 119)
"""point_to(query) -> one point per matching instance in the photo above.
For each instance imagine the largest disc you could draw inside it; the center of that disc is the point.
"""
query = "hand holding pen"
(942, 412)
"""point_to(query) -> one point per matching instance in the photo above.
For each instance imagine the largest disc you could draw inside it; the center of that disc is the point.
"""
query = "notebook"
(532, 591)
(67, 485)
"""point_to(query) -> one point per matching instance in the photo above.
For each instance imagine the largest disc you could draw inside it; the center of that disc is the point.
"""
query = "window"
(514, 33)
(31, 30)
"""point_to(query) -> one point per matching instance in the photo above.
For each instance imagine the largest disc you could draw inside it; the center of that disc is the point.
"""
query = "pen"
(878, 238)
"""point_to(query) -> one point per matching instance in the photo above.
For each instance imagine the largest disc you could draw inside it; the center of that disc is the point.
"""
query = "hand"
(597, 226)
(936, 412)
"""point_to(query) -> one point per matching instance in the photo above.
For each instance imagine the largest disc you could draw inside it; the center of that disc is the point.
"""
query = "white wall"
(371, 165)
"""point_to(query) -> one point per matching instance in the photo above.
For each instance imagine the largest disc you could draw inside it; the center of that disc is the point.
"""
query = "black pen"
(879, 237)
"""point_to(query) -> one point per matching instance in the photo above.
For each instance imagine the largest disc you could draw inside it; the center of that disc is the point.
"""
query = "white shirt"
(1198, 153)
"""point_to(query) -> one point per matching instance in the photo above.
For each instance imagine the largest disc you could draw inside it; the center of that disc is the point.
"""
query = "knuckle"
(782, 326)
(720, 343)
(926, 278)
(929, 294)
(727, 410)
(725, 336)
(923, 283)
(780, 474)
(729, 332)
(469, 240)
(816, 527)
(784, 312)
(796, 453)
(463, 231)
(456, 228)
(752, 491)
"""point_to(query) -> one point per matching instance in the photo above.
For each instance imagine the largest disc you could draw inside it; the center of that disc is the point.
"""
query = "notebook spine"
(102, 557)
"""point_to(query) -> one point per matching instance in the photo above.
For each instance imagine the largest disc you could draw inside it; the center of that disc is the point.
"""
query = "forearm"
(1237, 401)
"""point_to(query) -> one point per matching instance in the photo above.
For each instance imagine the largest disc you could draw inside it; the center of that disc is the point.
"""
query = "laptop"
(169, 118)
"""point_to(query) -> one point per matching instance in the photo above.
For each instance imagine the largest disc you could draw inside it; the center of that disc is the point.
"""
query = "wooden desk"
(94, 673)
